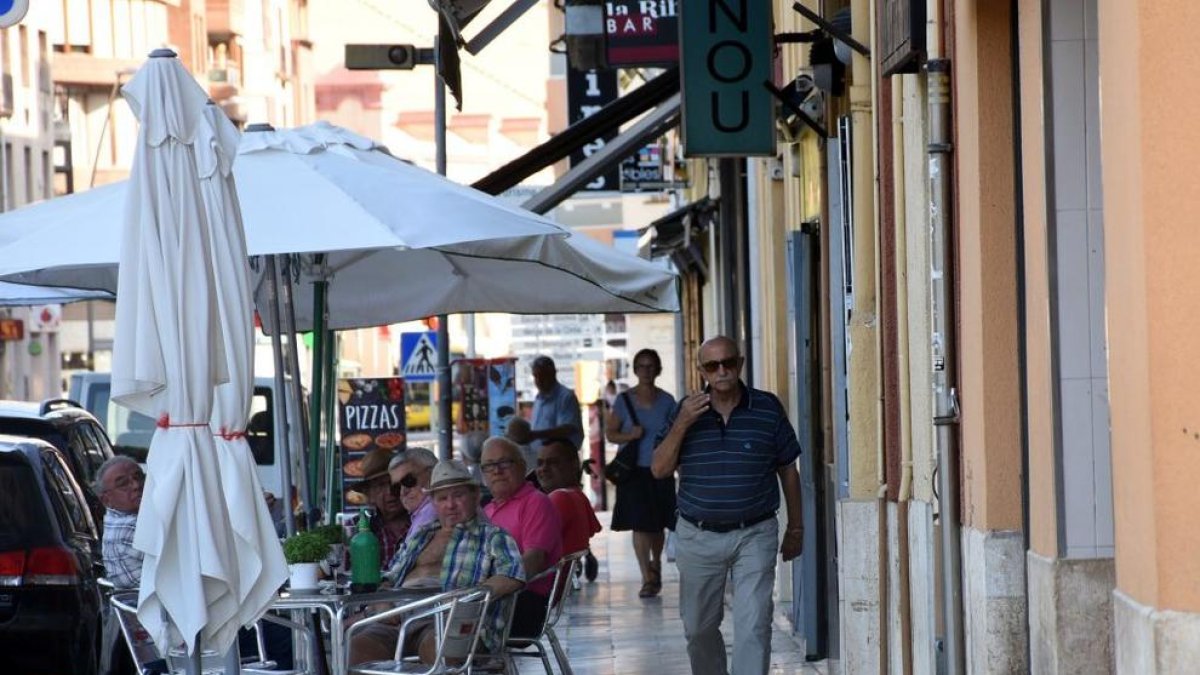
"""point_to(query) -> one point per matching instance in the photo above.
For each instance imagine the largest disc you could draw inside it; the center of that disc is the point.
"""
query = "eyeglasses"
(731, 363)
(497, 466)
(130, 481)
(409, 481)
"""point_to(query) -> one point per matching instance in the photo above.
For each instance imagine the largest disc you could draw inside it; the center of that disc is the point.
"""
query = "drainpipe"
(945, 395)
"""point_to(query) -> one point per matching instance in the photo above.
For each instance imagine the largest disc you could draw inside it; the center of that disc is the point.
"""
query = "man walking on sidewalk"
(730, 444)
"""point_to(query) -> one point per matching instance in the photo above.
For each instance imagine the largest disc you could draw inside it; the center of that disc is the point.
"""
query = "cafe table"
(339, 603)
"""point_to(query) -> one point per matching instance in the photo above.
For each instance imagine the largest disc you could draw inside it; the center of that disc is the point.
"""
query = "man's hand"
(793, 542)
(692, 408)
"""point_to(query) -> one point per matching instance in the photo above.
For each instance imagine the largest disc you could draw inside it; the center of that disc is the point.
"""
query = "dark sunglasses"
(409, 481)
(731, 363)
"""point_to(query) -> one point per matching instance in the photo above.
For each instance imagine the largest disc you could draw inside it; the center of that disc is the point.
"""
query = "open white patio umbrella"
(461, 250)
(168, 357)
(24, 295)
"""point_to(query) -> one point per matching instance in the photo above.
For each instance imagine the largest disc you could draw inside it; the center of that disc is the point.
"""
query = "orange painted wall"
(989, 384)
(1150, 89)
(1039, 381)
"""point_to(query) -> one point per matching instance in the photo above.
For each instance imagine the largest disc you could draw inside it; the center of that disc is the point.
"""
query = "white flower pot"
(304, 575)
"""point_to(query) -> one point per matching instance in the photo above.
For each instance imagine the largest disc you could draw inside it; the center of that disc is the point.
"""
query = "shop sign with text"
(641, 32)
(725, 59)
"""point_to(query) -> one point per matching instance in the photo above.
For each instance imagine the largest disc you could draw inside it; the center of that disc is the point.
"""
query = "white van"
(131, 432)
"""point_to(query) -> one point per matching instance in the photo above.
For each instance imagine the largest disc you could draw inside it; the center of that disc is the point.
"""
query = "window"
(66, 497)
(29, 174)
(47, 176)
(23, 54)
(23, 518)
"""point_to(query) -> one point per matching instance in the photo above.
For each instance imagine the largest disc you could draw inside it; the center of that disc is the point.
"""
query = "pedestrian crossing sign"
(418, 356)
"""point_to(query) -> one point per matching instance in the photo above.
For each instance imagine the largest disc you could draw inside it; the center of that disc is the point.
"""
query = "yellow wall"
(1150, 72)
(986, 267)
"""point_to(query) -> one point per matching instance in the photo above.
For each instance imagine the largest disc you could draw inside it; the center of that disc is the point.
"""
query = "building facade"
(967, 273)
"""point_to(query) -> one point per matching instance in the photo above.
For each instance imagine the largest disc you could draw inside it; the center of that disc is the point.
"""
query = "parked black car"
(50, 559)
(68, 427)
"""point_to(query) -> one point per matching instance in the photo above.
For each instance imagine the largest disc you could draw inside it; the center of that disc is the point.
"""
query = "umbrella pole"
(282, 453)
(445, 410)
(317, 395)
(296, 398)
(332, 450)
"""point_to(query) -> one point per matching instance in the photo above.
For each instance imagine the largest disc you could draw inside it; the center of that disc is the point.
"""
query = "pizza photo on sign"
(389, 440)
(356, 442)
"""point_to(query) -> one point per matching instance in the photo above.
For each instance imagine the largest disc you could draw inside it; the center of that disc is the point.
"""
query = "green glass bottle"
(364, 558)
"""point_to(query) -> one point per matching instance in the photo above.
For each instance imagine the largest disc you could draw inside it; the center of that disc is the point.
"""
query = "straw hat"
(450, 473)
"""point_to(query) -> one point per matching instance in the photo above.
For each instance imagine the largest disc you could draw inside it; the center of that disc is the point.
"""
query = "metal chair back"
(459, 617)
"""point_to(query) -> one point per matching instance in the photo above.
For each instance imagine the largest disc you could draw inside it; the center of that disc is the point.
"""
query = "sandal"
(648, 591)
(655, 576)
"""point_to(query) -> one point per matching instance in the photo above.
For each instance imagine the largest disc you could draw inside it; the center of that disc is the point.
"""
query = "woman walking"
(645, 504)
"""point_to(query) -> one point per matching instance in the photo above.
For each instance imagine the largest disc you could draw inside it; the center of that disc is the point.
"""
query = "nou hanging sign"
(725, 59)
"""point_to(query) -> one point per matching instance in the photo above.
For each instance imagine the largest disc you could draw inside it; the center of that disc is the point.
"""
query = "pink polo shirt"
(530, 517)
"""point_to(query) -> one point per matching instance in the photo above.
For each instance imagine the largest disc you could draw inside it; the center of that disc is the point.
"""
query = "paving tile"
(608, 629)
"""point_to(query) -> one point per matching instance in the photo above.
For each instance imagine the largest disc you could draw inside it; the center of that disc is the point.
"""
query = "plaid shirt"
(476, 551)
(122, 562)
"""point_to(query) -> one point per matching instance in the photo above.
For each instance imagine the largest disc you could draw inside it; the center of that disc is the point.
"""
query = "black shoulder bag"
(621, 468)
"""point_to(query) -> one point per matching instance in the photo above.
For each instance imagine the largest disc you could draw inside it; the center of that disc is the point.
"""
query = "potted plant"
(304, 552)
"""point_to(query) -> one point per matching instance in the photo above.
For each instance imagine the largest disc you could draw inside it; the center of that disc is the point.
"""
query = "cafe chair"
(458, 616)
(148, 658)
(563, 573)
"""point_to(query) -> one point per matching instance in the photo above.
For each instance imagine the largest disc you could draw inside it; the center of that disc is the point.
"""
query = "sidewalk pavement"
(608, 629)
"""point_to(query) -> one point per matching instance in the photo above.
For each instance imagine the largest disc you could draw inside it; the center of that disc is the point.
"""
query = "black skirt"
(645, 503)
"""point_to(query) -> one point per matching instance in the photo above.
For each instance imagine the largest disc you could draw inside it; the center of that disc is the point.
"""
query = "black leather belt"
(721, 526)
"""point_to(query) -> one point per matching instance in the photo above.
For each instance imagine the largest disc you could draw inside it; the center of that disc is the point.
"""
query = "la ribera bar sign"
(725, 48)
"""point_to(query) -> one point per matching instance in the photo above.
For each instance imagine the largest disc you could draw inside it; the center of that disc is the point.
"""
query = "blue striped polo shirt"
(727, 473)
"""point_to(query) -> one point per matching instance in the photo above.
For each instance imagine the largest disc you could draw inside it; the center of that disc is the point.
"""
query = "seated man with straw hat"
(458, 550)
(391, 520)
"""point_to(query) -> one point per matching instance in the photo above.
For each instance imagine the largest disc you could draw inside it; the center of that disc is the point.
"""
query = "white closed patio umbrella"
(168, 358)
(261, 568)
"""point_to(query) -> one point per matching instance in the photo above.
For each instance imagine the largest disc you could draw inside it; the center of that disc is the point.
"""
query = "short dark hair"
(650, 354)
(543, 361)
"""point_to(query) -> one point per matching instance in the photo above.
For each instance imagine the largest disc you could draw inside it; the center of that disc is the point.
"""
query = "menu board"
(370, 417)
(486, 392)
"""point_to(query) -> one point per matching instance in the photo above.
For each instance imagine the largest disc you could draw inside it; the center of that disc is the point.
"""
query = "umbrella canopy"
(480, 255)
(168, 356)
(22, 295)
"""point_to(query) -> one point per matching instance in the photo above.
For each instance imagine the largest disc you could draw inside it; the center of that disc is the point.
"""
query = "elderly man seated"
(530, 517)
(559, 474)
(459, 550)
(119, 483)
(411, 472)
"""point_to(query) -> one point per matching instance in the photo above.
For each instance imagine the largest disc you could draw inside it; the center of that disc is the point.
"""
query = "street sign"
(418, 356)
(12, 11)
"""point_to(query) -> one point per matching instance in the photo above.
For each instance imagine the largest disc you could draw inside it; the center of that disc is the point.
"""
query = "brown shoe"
(648, 590)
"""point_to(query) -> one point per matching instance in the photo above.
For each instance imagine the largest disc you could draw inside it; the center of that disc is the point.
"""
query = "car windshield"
(23, 518)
